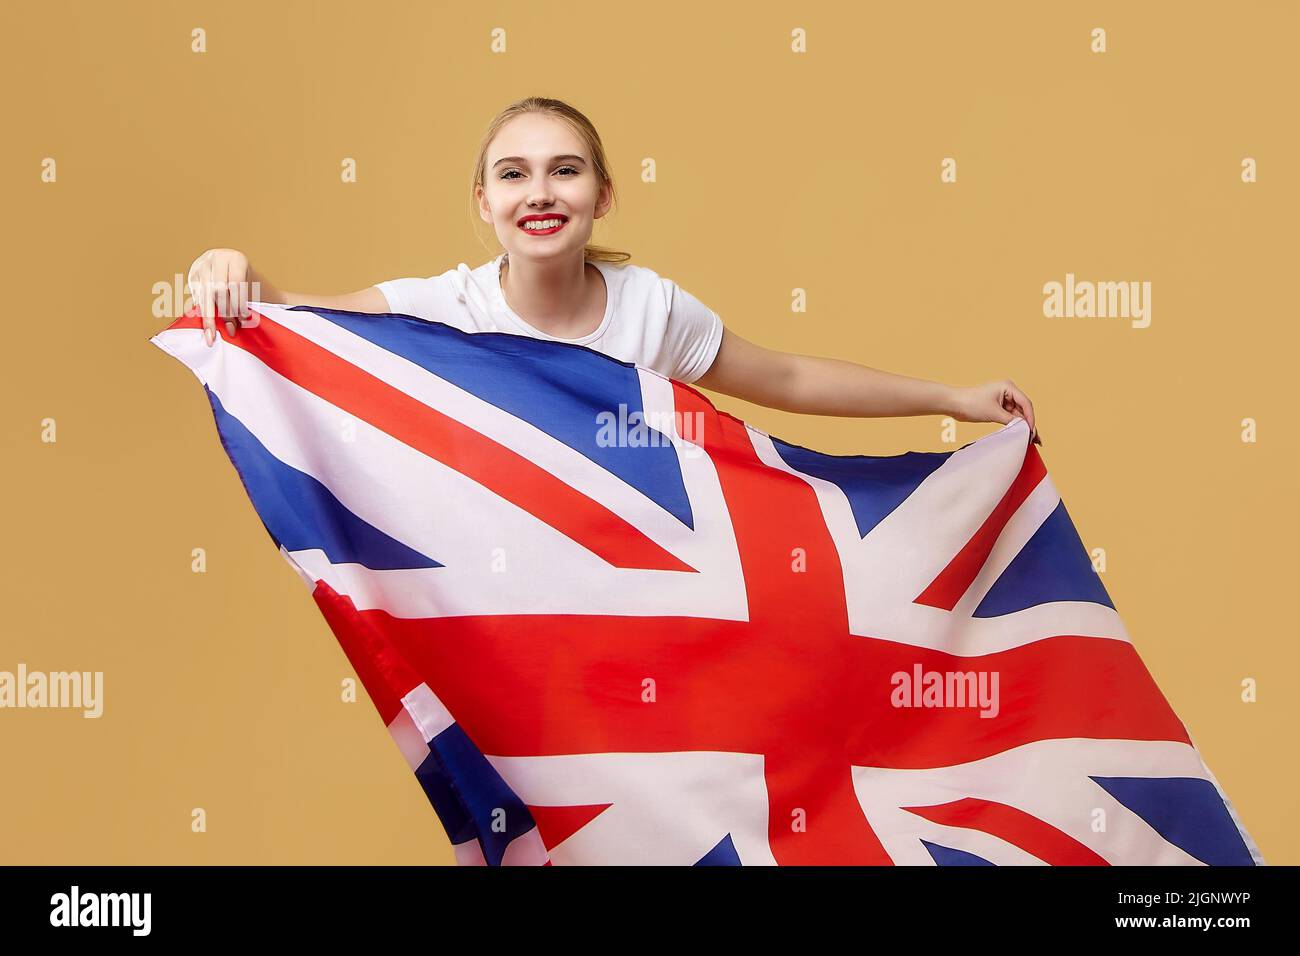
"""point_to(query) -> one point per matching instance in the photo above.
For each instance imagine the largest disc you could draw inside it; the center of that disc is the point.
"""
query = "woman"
(542, 180)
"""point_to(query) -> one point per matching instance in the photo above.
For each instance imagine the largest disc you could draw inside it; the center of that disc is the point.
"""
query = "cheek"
(496, 204)
(584, 198)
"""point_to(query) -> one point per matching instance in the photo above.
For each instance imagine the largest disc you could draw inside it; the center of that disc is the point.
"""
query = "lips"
(542, 232)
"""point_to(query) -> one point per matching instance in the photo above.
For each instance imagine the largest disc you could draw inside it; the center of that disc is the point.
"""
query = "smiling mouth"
(532, 226)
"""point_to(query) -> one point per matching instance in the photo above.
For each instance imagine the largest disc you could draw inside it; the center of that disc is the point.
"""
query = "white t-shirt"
(649, 320)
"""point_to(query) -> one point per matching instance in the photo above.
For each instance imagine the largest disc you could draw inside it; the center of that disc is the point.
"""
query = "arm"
(826, 386)
(222, 283)
(369, 299)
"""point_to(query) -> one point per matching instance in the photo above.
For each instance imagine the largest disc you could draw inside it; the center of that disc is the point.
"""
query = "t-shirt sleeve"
(402, 295)
(693, 335)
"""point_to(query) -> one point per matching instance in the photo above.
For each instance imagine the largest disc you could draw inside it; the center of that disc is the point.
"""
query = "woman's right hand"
(218, 284)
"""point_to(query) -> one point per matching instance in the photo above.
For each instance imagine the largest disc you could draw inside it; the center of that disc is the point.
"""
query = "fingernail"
(230, 329)
(207, 336)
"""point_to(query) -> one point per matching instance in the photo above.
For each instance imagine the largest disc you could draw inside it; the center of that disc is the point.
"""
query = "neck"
(553, 295)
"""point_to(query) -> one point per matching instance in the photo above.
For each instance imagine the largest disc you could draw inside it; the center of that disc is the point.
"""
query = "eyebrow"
(524, 162)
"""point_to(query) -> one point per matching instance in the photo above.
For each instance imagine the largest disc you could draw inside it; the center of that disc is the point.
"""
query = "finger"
(238, 297)
(196, 282)
(1009, 405)
(233, 327)
(206, 308)
(1020, 403)
(1028, 415)
(1033, 427)
(232, 298)
(1027, 405)
(221, 280)
(192, 282)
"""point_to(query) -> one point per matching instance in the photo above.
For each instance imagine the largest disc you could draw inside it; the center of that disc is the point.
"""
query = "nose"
(541, 197)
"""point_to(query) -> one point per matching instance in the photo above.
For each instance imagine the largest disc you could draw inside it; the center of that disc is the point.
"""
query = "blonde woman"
(541, 181)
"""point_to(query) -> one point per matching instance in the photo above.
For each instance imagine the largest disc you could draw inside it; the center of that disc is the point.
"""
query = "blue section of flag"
(565, 390)
(875, 485)
(469, 795)
(1052, 566)
(724, 854)
(948, 856)
(1186, 811)
(299, 512)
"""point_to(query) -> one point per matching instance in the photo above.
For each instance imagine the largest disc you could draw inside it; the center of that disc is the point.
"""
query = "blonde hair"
(580, 126)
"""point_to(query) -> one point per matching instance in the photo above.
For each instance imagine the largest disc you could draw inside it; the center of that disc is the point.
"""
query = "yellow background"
(775, 171)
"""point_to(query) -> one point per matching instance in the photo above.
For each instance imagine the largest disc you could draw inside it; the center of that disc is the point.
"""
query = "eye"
(506, 174)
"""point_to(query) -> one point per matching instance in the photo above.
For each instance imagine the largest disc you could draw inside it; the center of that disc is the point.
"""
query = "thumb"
(1010, 414)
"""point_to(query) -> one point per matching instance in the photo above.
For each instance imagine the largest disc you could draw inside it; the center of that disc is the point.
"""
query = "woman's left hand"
(1000, 402)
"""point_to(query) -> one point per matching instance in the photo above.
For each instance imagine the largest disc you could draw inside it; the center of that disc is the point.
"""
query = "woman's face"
(536, 166)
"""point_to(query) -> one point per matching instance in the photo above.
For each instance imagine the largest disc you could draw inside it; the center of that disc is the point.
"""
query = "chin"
(552, 251)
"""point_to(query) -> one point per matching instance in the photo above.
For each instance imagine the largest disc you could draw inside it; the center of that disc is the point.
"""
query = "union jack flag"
(607, 623)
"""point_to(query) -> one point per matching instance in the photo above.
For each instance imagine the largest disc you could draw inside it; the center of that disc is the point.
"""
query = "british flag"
(607, 623)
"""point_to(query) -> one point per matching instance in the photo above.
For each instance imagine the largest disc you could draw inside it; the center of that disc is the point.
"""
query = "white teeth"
(542, 224)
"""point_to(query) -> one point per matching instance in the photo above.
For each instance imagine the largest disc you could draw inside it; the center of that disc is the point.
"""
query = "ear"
(604, 199)
(484, 211)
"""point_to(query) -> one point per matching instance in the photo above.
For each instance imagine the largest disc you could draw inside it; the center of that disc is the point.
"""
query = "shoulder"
(643, 287)
(477, 285)
(464, 280)
(430, 295)
(684, 333)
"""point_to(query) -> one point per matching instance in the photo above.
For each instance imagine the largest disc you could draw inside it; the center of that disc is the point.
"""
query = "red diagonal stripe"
(1016, 827)
(491, 464)
(953, 581)
(557, 824)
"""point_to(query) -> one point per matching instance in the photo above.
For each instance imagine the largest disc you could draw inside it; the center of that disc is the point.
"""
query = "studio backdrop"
(1097, 202)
